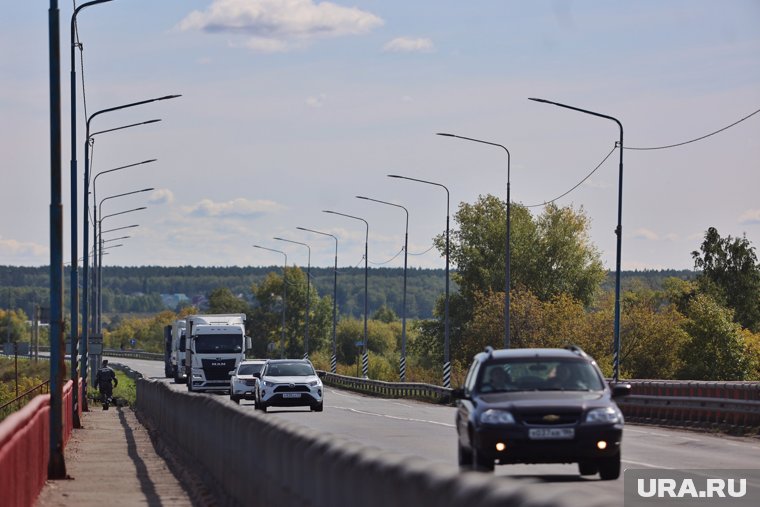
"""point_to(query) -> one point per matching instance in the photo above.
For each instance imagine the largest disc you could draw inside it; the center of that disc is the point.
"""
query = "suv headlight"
(314, 383)
(492, 416)
(607, 415)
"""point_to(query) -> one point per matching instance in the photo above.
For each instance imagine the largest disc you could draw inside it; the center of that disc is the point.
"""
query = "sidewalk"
(112, 461)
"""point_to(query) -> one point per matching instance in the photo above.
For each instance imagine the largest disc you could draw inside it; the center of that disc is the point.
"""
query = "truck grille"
(217, 369)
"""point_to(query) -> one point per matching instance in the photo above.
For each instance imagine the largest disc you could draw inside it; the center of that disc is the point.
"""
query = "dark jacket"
(104, 377)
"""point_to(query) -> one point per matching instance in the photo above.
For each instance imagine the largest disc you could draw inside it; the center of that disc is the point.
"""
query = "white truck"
(177, 355)
(215, 344)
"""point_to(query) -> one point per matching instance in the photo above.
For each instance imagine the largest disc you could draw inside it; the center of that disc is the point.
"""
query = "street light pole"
(402, 362)
(86, 223)
(508, 249)
(618, 231)
(308, 294)
(334, 356)
(365, 352)
(99, 209)
(74, 303)
(446, 340)
(284, 295)
(56, 462)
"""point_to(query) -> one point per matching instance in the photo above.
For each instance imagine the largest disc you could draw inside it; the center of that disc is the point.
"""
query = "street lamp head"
(444, 134)
(363, 197)
(539, 100)
(151, 121)
(147, 189)
(168, 97)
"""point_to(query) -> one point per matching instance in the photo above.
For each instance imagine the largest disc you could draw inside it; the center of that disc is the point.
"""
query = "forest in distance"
(138, 289)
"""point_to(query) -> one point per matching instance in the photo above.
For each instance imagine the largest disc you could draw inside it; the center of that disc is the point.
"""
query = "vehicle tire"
(235, 399)
(587, 468)
(318, 408)
(464, 456)
(481, 463)
(261, 406)
(609, 468)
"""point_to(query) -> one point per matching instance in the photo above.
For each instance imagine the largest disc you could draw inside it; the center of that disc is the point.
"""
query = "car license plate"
(291, 395)
(551, 433)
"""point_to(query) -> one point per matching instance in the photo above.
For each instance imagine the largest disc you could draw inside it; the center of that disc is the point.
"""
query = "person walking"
(103, 382)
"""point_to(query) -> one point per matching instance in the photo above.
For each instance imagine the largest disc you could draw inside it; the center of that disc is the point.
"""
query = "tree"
(716, 350)
(731, 274)
(222, 300)
(266, 316)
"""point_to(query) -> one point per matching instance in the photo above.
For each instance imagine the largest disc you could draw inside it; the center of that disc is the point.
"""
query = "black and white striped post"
(365, 357)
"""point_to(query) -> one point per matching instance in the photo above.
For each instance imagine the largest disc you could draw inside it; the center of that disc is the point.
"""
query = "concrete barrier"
(249, 458)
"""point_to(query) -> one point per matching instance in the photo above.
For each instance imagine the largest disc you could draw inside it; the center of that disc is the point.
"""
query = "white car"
(243, 380)
(289, 383)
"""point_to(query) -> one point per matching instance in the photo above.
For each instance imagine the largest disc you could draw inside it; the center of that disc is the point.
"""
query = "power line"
(577, 184)
(698, 138)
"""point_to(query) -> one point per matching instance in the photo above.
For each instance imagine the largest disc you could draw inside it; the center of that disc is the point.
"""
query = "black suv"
(539, 406)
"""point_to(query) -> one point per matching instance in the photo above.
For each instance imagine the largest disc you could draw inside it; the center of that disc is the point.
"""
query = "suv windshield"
(289, 370)
(249, 369)
(538, 375)
(218, 343)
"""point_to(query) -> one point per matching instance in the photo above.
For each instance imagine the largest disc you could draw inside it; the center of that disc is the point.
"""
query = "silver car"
(244, 378)
(289, 383)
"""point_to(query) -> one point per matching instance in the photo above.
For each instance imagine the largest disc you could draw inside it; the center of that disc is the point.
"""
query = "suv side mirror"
(257, 374)
(459, 394)
(620, 390)
(230, 373)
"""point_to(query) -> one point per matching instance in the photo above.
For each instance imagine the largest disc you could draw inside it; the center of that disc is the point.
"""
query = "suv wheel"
(235, 399)
(318, 408)
(587, 468)
(261, 406)
(481, 463)
(609, 468)
(464, 456)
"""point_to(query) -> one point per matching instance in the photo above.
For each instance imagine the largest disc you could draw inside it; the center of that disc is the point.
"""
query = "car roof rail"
(576, 349)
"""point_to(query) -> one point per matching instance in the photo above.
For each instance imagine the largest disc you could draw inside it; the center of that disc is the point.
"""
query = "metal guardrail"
(733, 406)
(427, 392)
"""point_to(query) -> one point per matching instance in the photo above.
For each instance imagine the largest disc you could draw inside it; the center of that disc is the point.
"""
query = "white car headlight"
(607, 415)
(315, 383)
(492, 416)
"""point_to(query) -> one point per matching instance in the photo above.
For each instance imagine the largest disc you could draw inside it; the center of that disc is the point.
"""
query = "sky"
(292, 107)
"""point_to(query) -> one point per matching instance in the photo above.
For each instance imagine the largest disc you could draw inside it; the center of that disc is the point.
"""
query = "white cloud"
(280, 25)
(409, 45)
(15, 248)
(645, 234)
(317, 101)
(750, 217)
(161, 196)
(239, 207)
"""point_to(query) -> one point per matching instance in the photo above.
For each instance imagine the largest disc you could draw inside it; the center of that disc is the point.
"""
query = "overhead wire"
(696, 139)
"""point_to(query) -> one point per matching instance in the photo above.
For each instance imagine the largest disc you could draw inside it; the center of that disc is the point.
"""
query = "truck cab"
(215, 345)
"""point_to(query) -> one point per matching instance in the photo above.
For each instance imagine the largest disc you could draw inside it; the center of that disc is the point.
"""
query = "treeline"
(138, 289)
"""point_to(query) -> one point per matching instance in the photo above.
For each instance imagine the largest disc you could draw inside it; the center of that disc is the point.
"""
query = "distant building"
(173, 300)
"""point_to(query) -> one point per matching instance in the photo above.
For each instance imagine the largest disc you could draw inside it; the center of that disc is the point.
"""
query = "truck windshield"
(218, 343)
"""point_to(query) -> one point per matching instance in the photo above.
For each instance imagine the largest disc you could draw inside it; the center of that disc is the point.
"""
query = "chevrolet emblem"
(551, 418)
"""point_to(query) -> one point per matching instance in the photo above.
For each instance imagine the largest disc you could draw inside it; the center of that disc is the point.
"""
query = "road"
(422, 429)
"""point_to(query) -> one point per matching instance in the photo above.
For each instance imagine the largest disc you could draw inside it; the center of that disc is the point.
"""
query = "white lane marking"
(656, 434)
(648, 465)
(410, 419)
